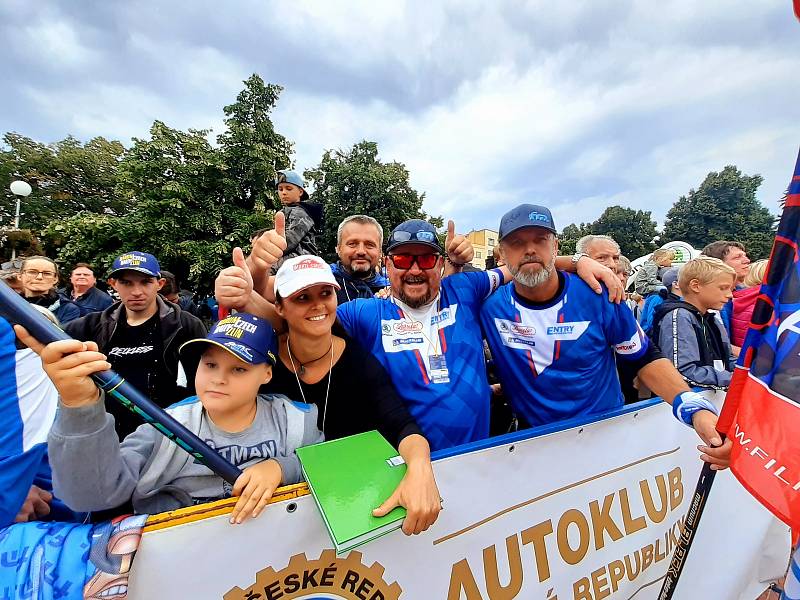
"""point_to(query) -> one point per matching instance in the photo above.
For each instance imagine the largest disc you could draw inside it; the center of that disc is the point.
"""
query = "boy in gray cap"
(303, 219)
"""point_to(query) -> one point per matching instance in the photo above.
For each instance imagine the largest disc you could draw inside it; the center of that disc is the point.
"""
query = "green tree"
(181, 213)
(358, 182)
(569, 237)
(633, 230)
(67, 177)
(724, 207)
(251, 148)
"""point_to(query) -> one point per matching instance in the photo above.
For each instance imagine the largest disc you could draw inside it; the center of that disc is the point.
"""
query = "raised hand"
(234, 285)
(458, 247)
(268, 248)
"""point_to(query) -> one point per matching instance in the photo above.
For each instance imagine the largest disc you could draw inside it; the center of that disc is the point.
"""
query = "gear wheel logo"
(326, 578)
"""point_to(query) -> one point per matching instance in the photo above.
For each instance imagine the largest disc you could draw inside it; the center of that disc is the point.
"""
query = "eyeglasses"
(406, 261)
(35, 274)
(406, 236)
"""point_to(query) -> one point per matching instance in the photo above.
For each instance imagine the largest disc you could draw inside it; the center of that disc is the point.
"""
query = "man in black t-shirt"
(141, 335)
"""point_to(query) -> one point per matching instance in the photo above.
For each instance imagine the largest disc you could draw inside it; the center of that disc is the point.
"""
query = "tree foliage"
(67, 177)
(570, 235)
(251, 148)
(633, 230)
(192, 203)
(724, 207)
(358, 182)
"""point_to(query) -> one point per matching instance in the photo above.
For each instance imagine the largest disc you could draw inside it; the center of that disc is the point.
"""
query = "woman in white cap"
(319, 364)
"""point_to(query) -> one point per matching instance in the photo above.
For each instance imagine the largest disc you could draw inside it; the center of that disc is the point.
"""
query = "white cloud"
(575, 104)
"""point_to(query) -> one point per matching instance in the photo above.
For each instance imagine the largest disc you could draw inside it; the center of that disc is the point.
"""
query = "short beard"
(414, 302)
(360, 273)
(536, 278)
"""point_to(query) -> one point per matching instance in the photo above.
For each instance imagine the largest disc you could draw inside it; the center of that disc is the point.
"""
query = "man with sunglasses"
(427, 335)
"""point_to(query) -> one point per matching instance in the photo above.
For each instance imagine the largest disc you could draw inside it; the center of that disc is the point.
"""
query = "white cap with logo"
(301, 272)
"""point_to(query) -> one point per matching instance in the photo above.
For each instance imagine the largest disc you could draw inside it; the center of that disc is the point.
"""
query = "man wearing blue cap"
(554, 341)
(141, 335)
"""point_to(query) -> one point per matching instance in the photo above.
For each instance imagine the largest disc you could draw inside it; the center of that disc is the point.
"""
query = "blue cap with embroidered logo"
(136, 261)
(247, 337)
(526, 215)
(413, 231)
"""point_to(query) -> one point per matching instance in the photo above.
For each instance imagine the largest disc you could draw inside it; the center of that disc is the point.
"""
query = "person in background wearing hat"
(427, 335)
(258, 433)
(140, 335)
(554, 341)
(321, 365)
(303, 219)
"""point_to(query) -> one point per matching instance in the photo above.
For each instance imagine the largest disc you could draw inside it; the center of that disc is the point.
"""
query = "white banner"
(585, 513)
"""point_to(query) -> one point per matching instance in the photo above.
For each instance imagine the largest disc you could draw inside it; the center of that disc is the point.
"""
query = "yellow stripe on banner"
(191, 514)
(505, 511)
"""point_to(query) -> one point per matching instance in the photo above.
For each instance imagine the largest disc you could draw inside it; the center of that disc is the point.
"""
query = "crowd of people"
(396, 336)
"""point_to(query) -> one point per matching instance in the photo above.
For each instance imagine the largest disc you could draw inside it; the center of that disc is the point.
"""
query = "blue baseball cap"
(136, 261)
(414, 231)
(526, 215)
(247, 337)
(293, 177)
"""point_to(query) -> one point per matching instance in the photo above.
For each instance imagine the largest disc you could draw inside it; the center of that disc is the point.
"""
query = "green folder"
(349, 478)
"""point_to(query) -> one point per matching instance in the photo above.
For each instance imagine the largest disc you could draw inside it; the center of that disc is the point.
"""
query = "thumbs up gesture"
(234, 285)
(459, 248)
(268, 248)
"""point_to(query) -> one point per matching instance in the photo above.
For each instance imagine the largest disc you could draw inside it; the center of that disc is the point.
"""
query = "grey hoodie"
(93, 471)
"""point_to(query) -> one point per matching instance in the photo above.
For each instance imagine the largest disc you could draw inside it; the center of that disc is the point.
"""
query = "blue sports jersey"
(449, 412)
(556, 360)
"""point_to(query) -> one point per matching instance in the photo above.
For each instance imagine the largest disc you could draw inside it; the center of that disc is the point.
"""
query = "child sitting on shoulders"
(93, 471)
(303, 218)
(690, 332)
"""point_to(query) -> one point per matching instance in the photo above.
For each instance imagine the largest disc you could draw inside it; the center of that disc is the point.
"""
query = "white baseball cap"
(301, 272)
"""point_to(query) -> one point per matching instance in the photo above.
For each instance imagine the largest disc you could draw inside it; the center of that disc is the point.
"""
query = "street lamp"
(20, 189)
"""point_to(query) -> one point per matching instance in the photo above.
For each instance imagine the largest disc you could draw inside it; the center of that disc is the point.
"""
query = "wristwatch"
(577, 256)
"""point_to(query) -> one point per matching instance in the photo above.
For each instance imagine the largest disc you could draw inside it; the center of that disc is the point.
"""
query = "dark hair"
(170, 285)
(721, 249)
(83, 265)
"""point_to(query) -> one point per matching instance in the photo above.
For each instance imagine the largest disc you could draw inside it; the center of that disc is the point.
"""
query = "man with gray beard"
(554, 340)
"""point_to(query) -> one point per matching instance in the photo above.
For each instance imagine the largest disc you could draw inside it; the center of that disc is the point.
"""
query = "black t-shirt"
(361, 398)
(137, 354)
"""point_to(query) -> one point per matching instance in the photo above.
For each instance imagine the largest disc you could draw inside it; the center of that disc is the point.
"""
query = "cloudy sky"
(577, 105)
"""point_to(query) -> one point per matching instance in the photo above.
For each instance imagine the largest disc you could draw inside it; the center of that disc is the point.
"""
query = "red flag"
(762, 409)
(797, 8)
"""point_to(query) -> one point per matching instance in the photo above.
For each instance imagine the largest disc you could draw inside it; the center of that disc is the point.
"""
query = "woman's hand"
(255, 487)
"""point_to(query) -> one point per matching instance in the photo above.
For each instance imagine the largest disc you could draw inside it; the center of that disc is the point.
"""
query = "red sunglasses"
(405, 261)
